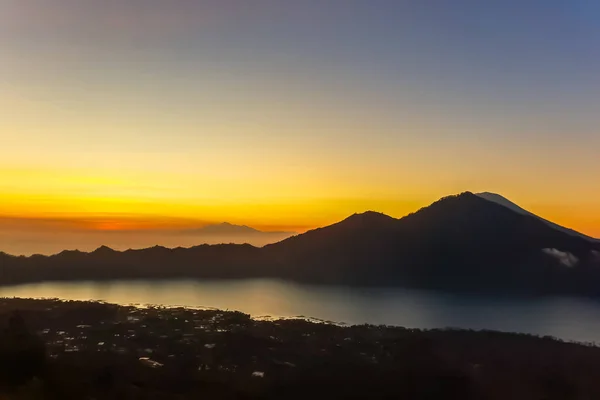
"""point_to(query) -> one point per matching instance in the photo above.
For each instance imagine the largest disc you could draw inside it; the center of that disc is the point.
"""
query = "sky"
(152, 116)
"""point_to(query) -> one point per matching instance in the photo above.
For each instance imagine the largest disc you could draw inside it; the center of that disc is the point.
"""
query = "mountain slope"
(338, 253)
(498, 199)
(459, 243)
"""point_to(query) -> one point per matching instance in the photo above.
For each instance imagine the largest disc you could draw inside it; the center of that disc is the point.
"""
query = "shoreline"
(184, 353)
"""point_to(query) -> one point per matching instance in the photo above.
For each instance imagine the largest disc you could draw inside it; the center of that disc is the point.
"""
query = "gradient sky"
(153, 114)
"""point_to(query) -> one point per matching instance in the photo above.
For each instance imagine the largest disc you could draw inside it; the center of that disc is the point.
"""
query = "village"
(99, 350)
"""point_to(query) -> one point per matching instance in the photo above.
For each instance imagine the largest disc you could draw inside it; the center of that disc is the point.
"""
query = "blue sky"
(245, 110)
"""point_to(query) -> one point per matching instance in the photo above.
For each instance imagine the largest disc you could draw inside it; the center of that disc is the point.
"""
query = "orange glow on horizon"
(141, 116)
(300, 217)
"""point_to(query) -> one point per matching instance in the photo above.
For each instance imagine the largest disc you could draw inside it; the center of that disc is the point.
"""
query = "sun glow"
(174, 115)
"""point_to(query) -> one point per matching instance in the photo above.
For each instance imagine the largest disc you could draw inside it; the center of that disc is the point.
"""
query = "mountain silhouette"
(230, 233)
(496, 198)
(459, 243)
(225, 228)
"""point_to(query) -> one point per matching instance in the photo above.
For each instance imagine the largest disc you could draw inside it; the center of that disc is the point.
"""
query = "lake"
(565, 318)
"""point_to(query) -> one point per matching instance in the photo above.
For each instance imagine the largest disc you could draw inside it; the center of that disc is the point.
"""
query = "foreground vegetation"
(52, 349)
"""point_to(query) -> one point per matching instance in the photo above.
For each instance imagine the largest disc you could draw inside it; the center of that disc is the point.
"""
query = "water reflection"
(567, 318)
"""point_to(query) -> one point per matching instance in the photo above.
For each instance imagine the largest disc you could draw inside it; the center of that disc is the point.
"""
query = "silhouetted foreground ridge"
(460, 243)
(79, 350)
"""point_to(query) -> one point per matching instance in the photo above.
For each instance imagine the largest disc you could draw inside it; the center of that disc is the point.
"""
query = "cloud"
(565, 258)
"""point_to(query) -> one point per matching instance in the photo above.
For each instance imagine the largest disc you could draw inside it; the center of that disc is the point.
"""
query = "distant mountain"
(459, 243)
(496, 198)
(226, 228)
(230, 233)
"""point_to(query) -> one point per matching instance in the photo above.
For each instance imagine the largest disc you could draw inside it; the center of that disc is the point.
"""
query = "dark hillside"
(104, 351)
(459, 243)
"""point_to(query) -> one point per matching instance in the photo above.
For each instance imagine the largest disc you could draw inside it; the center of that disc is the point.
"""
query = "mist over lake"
(563, 317)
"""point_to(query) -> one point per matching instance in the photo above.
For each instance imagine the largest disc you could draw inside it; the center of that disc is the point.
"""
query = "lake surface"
(566, 318)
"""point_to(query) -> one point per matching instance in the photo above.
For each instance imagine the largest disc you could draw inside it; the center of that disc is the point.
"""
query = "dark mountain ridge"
(496, 198)
(459, 243)
(462, 242)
